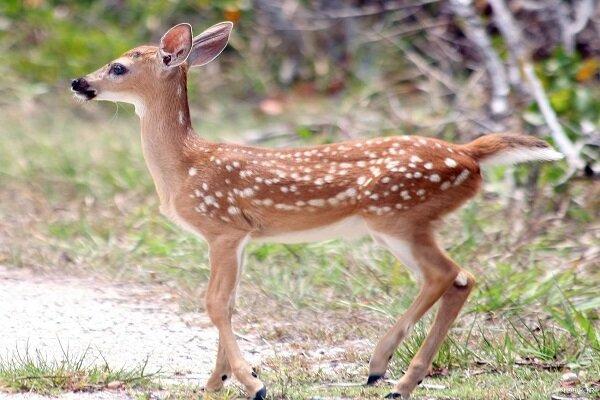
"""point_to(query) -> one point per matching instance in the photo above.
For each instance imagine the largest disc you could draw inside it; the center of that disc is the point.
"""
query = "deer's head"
(145, 72)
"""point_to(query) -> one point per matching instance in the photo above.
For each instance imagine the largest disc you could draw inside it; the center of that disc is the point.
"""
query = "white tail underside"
(521, 155)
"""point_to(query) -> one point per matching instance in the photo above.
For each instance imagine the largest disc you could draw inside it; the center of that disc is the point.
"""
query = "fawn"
(392, 188)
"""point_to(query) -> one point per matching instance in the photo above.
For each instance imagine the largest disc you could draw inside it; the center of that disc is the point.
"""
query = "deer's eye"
(118, 69)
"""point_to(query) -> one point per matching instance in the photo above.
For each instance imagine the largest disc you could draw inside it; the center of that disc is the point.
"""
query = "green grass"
(32, 371)
(519, 383)
(75, 197)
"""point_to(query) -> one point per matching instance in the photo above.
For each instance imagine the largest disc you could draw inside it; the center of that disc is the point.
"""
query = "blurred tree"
(384, 49)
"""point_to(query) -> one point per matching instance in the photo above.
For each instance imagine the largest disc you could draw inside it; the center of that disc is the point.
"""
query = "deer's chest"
(171, 213)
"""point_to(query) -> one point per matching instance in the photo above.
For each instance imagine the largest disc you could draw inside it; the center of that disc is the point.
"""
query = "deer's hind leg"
(437, 273)
(450, 305)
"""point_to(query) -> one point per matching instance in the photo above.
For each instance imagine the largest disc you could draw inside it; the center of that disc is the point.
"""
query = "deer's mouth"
(87, 94)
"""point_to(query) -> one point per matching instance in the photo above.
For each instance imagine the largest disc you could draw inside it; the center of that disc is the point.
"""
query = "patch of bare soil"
(122, 324)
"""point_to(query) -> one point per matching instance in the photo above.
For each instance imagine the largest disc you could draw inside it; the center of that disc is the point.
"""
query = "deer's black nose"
(79, 84)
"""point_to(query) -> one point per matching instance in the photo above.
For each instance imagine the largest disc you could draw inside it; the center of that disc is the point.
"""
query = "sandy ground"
(69, 396)
(126, 324)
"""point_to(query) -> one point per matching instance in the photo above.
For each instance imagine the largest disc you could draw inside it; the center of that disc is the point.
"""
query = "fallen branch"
(583, 11)
(370, 10)
(423, 65)
(475, 32)
(513, 37)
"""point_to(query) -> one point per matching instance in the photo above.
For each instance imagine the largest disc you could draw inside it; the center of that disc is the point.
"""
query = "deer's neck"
(166, 131)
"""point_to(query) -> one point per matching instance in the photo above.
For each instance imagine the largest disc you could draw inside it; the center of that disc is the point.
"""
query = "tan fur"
(229, 194)
(492, 144)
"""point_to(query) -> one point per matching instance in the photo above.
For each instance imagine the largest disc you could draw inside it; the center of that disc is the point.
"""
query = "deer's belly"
(347, 228)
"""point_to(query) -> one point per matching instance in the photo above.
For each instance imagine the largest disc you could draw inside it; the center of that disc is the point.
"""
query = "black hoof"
(261, 394)
(372, 379)
(393, 396)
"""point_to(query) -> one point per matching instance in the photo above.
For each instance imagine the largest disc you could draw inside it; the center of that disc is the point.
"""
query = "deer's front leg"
(222, 370)
(221, 373)
(225, 264)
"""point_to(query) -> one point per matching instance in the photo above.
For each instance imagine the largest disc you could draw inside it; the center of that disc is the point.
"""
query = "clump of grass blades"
(31, 371)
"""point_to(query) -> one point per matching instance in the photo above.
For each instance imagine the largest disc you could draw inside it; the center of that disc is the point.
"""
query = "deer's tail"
(499, 149)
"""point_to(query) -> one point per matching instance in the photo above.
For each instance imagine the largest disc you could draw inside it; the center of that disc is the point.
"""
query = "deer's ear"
(209, 44)
(175, 45)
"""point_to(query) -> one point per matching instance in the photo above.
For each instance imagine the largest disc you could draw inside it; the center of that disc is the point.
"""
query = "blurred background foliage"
(407, 64)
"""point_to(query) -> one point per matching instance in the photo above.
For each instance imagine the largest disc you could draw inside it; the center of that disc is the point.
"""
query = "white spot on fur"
(181, 118)
(461, 279)
(450, 162)
(316, 202)
(434, 178)
(286, 207)
(211, 201)
(192, 171)
(462, 177)
(233, 210)
(376, 171)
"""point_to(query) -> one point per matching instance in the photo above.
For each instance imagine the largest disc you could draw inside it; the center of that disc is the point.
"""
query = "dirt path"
(124, 323)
